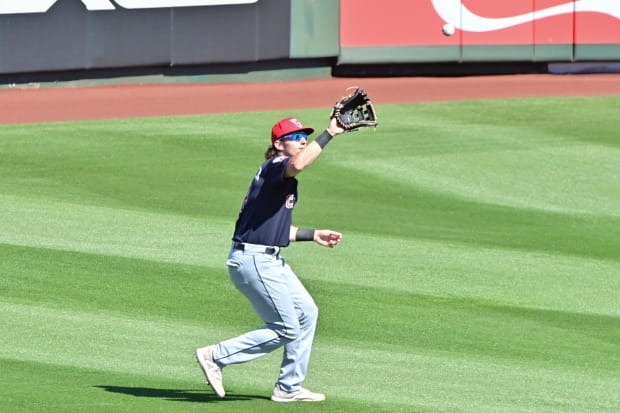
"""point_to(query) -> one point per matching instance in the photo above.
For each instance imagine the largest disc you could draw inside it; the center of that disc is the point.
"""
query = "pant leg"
(297, 352)
(262, 279)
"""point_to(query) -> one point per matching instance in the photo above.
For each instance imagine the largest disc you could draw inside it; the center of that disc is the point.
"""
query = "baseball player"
(257, 269)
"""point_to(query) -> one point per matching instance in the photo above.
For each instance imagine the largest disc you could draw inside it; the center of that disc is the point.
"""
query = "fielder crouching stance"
(256, 268)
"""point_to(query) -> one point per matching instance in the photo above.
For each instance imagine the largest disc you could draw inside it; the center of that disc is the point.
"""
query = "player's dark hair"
(271, 152)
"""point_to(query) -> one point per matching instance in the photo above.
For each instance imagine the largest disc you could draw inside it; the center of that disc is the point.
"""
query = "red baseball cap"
(287, 126)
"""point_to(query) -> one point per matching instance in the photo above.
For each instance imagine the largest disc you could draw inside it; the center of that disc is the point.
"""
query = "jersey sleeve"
(275, 170)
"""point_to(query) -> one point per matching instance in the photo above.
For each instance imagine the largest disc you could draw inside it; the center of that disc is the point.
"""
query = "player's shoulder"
(273, 169)
(275, 162)
(278, 159)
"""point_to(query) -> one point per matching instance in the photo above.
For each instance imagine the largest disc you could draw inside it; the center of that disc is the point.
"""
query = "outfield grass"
(479, 272)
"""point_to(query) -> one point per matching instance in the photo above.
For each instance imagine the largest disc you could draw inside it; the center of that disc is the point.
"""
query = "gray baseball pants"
(283, 303)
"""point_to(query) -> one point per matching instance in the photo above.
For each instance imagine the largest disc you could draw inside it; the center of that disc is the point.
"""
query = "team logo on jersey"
(290, 201)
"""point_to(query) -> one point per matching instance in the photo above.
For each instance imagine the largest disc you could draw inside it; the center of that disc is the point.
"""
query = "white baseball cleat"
(301, 395)
(213, 372)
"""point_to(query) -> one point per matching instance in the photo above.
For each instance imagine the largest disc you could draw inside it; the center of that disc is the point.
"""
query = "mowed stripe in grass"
(478, 273)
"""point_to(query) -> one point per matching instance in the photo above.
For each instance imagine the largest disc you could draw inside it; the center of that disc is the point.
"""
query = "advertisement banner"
(479, 22)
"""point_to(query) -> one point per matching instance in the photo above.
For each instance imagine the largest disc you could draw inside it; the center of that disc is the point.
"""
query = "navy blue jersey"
(267, 211)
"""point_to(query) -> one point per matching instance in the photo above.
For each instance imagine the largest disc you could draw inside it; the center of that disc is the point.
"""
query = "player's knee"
(293, 328)
(292, 332)
(289, 331)
(311, 314)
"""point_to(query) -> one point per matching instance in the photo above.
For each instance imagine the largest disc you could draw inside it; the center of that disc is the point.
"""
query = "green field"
(479, 271)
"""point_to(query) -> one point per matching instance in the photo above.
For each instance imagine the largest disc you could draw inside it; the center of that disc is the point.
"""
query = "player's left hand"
(334, 127)
(327, 237)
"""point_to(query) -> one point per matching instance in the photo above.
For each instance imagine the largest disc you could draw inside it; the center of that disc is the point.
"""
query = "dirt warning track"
(24, 105)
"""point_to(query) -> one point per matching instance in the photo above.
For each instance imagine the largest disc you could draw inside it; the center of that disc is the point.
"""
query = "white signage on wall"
(456, 13)
(42, 6)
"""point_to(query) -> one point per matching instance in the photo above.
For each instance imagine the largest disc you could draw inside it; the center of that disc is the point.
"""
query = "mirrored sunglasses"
(294, 137)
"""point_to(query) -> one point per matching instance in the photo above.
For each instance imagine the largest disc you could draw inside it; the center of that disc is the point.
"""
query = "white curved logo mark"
(42, 6)
(459, 16)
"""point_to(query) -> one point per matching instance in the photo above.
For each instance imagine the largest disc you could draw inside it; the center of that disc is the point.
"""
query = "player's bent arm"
(324, 237)
(301, 234)
(304, 158)
(292, 233)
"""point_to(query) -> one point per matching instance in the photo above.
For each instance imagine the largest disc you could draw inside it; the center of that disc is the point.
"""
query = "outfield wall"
(49, 35)
(486, 31)
(83, 35)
